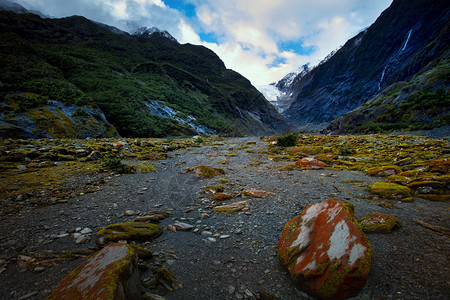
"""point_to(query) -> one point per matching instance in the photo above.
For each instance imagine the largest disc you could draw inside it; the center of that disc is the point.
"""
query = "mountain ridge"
(409, 37)
(76, 61)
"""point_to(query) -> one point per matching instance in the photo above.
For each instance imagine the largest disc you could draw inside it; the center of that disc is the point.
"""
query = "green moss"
(390, 190)
(128, 231)
(145, 167)
(223, 180)
(214, 188)
(289, 167)
(204, 171)
(379, 223)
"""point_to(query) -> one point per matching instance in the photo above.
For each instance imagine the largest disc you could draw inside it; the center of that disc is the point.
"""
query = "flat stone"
(183, 226)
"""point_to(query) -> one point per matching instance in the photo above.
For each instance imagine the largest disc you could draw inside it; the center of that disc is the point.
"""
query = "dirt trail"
(230, 256)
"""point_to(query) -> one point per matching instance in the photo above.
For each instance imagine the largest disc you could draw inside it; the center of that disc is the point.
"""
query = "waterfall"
(407, 40)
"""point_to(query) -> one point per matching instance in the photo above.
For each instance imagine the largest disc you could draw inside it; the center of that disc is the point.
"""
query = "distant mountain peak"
(17, 8)
(154, 31)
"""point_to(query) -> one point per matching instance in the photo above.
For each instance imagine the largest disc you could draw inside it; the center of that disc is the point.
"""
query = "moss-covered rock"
(379, 223)
(204, 171)
(145, 167)
(129, 231)
(222, 197)
(439, 166)
(215, 188)
(231, 208)
(390, 190)
(383, 171)
(111, 274)
(254, 193)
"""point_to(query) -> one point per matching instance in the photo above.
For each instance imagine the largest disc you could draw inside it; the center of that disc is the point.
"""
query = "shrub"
(287, 139)
(115, 164)
(344, 150)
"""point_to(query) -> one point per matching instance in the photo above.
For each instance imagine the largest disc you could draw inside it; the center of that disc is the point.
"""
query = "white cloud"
(256, 28)
(250, 33)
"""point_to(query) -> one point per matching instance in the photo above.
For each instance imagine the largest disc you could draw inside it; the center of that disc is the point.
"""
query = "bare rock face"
(325, 251)
(111, 274)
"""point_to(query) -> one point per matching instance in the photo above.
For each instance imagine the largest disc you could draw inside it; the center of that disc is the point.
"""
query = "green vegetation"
(287, 140)
(115, 164)
(75, 61)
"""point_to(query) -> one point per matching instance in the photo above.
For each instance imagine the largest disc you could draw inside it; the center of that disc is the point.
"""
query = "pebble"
(212, 240)
(19, 198)
(60, 236)
(129, 212)
(224, 236)
(231, 290)
(39, 269)
(82, 239)
(206, 233)
(27, 296)
(183, 226)
(86, 230)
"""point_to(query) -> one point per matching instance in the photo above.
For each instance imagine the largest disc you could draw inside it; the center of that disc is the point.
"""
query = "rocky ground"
(48, 224)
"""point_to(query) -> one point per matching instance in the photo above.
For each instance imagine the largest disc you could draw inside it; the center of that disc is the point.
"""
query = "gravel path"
(229, 256)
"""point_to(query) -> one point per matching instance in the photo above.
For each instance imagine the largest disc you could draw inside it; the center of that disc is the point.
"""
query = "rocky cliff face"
(409, 38)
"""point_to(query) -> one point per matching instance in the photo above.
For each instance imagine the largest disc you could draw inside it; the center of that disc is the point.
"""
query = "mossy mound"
(390, 190)
(379, 223)
(383, 171)
(145, 167)
(439, 166)
(290, 167)
(222, 197)
(204, 171)
(215, 188)
(129, 231)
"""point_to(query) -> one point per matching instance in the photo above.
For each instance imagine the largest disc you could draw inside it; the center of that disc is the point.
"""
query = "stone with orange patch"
(325, 251)
(310, 163)
(111, 274)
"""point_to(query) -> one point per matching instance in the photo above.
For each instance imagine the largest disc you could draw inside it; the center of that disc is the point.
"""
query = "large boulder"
(325, 251)
(111, 274)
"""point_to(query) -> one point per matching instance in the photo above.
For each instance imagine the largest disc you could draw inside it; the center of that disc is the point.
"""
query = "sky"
(261, 39)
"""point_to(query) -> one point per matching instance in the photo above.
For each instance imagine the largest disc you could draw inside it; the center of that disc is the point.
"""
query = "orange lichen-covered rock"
(111, 274)
(222, 197)
(439, 166)
(310, 163)
(325, 251)
(379, 223)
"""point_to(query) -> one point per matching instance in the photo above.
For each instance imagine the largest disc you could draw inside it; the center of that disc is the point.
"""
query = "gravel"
(221, 256)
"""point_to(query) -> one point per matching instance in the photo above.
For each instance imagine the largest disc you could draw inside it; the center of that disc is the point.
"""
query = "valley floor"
(225, 256)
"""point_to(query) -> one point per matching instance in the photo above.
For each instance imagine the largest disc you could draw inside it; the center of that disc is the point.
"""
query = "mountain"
(277, 92)
(380, 67)
(146, 84)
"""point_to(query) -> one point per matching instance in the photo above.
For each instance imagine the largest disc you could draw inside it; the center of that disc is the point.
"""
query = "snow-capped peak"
(147, 32)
